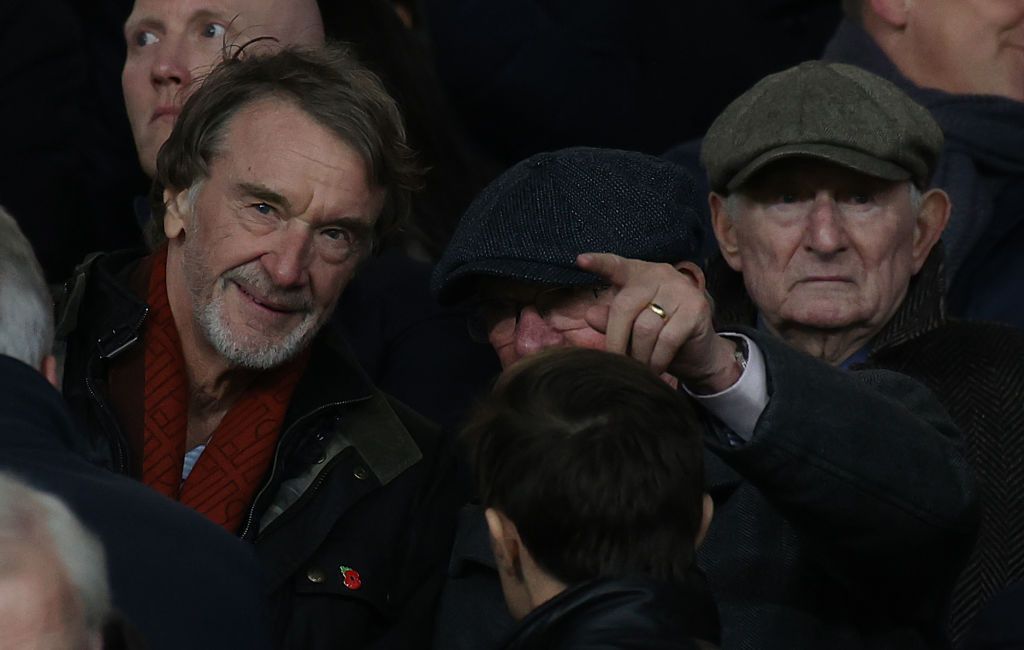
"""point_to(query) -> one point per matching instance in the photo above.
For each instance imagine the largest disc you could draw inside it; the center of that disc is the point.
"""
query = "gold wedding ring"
(658, 309)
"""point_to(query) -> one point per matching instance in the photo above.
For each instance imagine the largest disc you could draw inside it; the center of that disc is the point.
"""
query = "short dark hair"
(598, 463)
(329, 85)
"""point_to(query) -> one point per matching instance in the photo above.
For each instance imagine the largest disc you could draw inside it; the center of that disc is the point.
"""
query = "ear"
(931, 221)
(725, 232)
(706, 514)
(48, 368)
(176, 213)
(893, 13)
(505, 542)
(691, 269)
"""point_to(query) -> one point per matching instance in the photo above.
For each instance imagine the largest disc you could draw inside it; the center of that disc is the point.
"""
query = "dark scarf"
(984, 148)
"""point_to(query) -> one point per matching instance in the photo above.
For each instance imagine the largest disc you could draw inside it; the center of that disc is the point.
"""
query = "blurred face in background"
(965, 46)
(38, 607)
(172, 43)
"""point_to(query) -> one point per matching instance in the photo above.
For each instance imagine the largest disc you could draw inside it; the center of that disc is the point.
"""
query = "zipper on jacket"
(250, 518)
(308, 494)
(120, 449)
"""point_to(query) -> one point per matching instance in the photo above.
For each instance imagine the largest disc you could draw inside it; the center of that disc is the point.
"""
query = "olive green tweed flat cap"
(829, 111)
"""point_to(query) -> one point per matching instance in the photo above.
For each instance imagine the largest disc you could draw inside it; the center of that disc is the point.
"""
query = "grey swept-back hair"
(26, 307)
(39, 522)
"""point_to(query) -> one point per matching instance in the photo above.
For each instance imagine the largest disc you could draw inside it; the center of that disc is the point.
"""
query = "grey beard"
(240, 351)
(248, 354)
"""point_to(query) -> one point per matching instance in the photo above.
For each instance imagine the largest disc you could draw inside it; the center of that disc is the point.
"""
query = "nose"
(289, 260)
(534, 334)
(171, 66)
(825, 233)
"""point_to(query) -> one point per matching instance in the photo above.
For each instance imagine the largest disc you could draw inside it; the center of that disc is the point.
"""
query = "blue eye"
(263, 208)
(142, 39)
(214, 30)
(336, 234)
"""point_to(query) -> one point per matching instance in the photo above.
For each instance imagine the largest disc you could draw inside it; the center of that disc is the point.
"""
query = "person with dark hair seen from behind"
(830, 240)
(963, 60)
(822, 537)
(204, 368)
(406, 344)
(590, 469)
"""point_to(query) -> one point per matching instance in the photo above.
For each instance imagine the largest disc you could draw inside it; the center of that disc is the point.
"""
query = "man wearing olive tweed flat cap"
(822, 538)
(829, 240)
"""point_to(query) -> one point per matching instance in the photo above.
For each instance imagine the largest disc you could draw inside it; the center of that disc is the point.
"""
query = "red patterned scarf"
(224, 480)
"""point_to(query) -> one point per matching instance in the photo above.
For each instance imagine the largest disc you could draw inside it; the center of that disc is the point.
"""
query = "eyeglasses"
(499, 316)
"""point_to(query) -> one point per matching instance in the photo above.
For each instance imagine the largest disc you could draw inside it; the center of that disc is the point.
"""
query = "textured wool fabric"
(830, 111)
(533, 220)
(975, 371)
(225, 478)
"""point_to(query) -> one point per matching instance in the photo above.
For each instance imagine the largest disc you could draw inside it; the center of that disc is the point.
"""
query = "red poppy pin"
(351, 577)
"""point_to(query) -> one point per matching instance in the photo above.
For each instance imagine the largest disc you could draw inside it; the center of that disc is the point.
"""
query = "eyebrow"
(263, 193)
(357, 225)
(132, 24)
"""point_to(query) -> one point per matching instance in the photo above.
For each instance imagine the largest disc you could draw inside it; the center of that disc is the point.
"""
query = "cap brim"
(459, 284)
(849, 158)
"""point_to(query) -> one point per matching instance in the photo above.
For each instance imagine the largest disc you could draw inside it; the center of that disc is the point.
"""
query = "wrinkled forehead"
(291, 22)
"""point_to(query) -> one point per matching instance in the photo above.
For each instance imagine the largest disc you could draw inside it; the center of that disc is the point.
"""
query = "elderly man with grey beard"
(202, 369)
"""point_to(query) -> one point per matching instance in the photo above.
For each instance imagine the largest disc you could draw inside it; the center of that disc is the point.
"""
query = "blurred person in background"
(53, 575)
(963, 60)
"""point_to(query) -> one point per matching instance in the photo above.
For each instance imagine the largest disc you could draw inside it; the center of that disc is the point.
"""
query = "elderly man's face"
(171, 43)
(522, 319)
(825, 248)
(268, 241)
(967, 46)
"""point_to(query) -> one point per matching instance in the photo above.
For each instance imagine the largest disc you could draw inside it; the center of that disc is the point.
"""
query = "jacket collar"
(922, 310)
(102, 283)
(606, 612)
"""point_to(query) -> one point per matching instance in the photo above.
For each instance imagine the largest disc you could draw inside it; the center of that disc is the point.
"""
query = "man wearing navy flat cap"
(821, 537)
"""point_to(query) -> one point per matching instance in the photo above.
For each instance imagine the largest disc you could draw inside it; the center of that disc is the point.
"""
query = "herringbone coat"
(977, 372)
